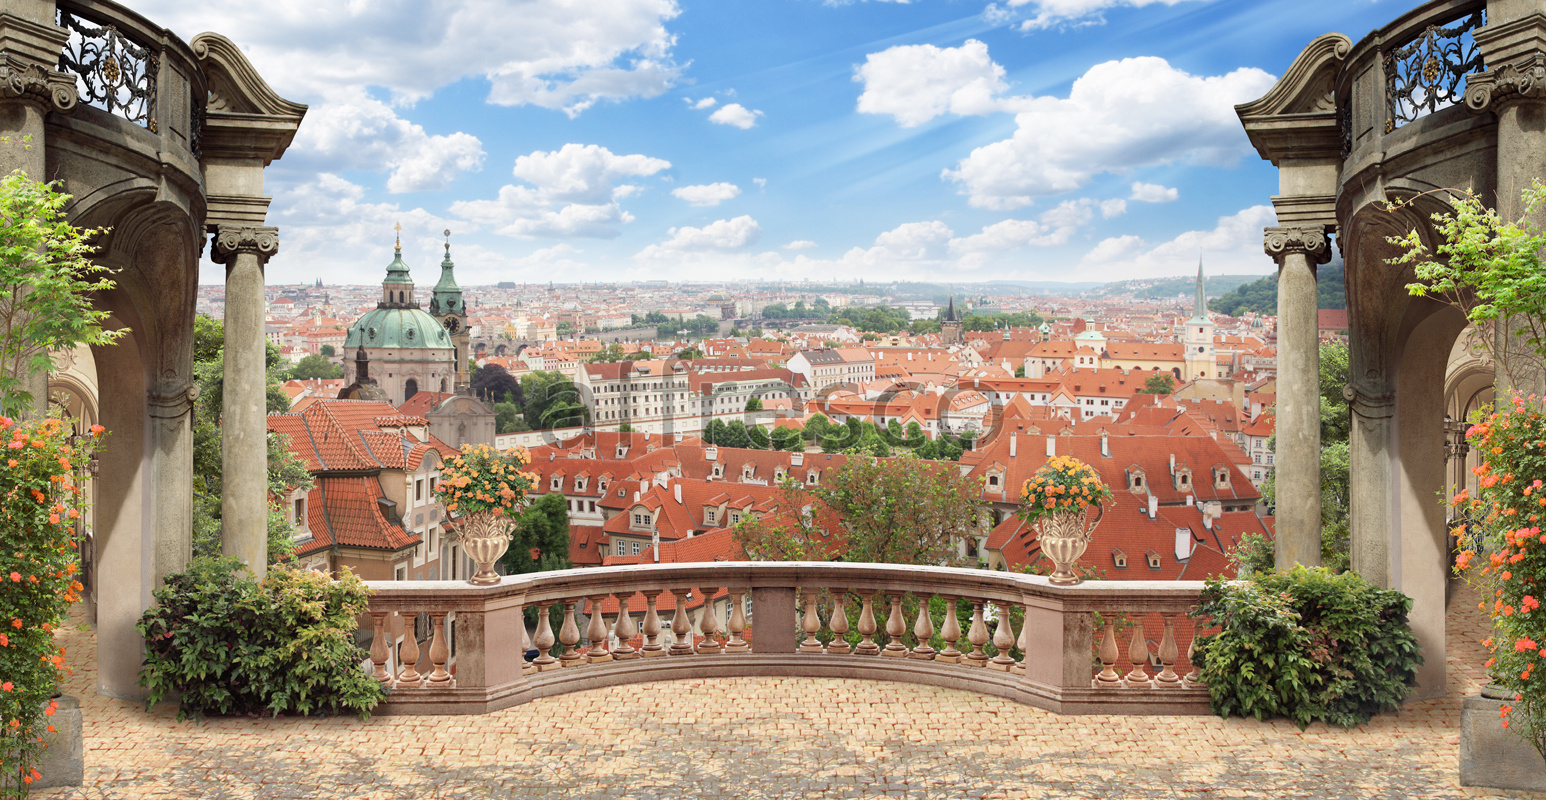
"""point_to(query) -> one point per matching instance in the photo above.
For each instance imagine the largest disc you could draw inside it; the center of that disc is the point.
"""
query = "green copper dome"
(397, 328)
(397, 271)
(447, 296)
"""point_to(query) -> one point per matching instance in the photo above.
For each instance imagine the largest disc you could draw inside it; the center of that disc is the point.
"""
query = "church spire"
(447, 295)
(1200, 305)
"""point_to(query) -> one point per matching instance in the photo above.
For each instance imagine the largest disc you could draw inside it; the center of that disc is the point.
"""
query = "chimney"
(1190, 501)
(1052, 446)
(1153, 506)
(1012, 440)
(1105, 446)
(1207, 518)
(678, 488)
(636, 497)
(655, 544)
(1183, 544)
(1172, 463)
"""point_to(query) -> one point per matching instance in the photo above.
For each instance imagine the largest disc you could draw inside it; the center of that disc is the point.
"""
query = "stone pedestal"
(1493, 758)
(64, 761)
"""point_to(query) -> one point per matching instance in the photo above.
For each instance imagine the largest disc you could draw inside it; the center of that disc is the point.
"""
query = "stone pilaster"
(1298, 468)
(243, 432)
(171, 461)
(1369, 466)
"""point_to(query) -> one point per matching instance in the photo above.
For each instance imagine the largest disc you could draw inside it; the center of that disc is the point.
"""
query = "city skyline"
(944, 141)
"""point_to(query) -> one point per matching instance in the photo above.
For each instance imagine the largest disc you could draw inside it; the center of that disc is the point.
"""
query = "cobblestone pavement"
(776, 738)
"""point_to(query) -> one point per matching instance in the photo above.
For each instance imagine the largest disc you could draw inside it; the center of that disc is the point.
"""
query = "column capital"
(172, 405)
(1515, 54)
(53, 90)
(231, 240)
(1280, 242)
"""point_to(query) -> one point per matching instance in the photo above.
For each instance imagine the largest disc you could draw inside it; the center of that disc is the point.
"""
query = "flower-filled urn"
(484, 491)
(1064, 501)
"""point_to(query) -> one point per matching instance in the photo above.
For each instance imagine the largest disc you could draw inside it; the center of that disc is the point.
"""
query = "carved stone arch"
(234, 85)
(1301, 106)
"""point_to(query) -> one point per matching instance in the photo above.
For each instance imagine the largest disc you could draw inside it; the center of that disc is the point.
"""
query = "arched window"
(410, 388)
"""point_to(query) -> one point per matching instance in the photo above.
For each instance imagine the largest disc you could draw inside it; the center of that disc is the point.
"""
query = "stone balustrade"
(1098, 647)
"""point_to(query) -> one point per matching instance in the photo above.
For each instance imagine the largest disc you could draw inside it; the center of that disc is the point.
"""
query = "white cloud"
(547, 56)
(707, 102)
(1233, 245)
(918, 82)
(709, 194)
(1118, 116)
(800, 244)
(574, 192)
(762, 183)
(1113, 208)
(1056, 226)
(720, 235)
(1049, 13)
(1154, 193)
(352, 130)
(912, 241)
(735, 114)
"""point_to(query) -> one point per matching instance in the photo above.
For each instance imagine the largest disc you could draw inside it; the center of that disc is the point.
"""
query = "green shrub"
(232, 645)
(1307, 644)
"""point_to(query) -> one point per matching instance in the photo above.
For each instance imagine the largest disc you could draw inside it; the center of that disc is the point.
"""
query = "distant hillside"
(1262, 296)
(1166, 288)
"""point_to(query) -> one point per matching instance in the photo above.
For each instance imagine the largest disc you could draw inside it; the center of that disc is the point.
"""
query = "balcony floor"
(775, 738)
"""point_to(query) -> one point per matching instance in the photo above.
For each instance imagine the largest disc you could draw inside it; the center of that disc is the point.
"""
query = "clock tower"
(450, 310)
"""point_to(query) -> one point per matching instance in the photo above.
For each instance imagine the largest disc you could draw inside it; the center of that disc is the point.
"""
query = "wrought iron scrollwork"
(1345, 124)
(1429, 73)
(112, 73)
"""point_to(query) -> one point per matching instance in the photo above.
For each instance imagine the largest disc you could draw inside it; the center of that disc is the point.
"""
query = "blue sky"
(601, 140)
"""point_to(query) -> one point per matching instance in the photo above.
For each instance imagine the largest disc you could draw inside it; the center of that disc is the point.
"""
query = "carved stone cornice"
(231, 240)
(50, 88)
(1515, 53)
(174, 405)
(1281, 242)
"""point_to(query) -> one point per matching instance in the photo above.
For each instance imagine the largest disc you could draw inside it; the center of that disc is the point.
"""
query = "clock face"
(452, 324)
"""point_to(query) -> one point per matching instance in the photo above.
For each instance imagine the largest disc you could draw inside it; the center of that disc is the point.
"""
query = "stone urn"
(1064, 535)
(484, 537)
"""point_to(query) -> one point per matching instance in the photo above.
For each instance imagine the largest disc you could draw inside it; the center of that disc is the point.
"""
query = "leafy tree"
(689, 353)
(799, 311)
(775, 311)
(1159, 383)
(47, 279)
(1261, 297)
(816, 429)
(507, 418)
(786, 439)
(564, 328)
(753, 404)
(1020, 371)
(919, 327)
(328, 351)
(734, 434)
(541, 540)
(611, 353)
(891, 511)
(625, 428)
(915, 436)
(760, 440)
(312, 367)
(493, 383)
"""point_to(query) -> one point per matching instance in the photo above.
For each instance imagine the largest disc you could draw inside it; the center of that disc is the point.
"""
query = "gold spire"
(399, 245)
(448, 242)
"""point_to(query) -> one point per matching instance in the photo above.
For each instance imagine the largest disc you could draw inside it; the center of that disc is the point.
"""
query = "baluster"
(1108, 677)
(951, 633)
(895, 628)
(708, 623)
(867, 645)
(1003, 639)
(439, 653)
(978, 636)
(569, 636)
(596, 632)
(625, 631)
(839, 623)
(1167, 654)
(923, 628)
(545, 639)
(1194, 677)
(1024, 642)
(681, 626)
(378, 648)
(811, 623)
(1137, 654)
(737, 625)
(527, 667)
(409, 653)
(652, 645)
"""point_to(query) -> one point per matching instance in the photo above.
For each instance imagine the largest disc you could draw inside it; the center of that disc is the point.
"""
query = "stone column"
(1370, 443)
(243, 429)
(1298, 453)
(29, 89)
(171, 462)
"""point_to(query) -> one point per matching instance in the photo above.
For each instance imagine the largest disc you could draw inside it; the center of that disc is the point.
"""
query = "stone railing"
(1023, 639)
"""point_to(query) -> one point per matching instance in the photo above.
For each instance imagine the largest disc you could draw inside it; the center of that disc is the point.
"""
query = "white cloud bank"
(353, 130)
(1234, 245)
(736, 115)
(1056, 13)
(708, 194)
(1154, 193)
(574, 193)
(916, 83)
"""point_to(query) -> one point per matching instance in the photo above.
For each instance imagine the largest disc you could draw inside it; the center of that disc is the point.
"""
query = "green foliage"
(625, 428)
(690, 353)
(891, 511)
(552, 401)
(874, 320)
(992, 322)
(753, 404)
(227, 644)
(1253, 554)
(41, 502)
(759, 437)
(543, 529)
(1307, 644)
(312, 367)
(1159, 383)
(611, 353)
(327, 351)
(1486, 265)
(1336, 479)
(1261, 297)
(786, 439)
(507, 418)
(47, 279)
(494, 384)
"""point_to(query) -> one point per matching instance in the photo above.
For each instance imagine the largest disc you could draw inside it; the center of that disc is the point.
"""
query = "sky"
(710, 140)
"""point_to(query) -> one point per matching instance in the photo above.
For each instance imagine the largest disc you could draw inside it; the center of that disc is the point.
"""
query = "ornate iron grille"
(1345, 123)
(1429, 73)
(196, 128)
(111, 72)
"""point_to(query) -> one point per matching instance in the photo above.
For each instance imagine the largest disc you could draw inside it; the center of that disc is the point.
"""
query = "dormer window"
(601, 485)
(993, 481)
(1118, 558)
(710, 516)
(1153, 558)
(813, 477)
(579, 484)
(1135, 480)
(718, 472)
(735, 517)
(1221, 478)
(778, 474)
(557, 483)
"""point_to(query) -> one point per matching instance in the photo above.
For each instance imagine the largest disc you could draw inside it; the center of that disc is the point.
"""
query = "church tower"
(950, 327)
(1197, 338)
(447, 306)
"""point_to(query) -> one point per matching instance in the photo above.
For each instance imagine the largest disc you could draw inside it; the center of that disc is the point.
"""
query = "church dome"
(397, 328)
